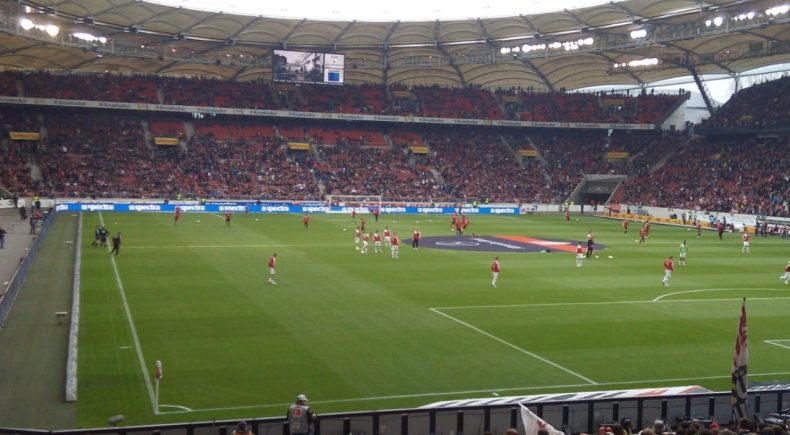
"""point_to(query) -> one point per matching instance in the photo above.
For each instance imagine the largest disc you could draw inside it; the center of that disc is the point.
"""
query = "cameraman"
(301, 417)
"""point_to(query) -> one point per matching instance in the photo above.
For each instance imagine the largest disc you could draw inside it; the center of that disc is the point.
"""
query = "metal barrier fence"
(573, 417)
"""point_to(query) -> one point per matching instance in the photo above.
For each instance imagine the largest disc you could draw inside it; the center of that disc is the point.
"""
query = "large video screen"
(303, 67)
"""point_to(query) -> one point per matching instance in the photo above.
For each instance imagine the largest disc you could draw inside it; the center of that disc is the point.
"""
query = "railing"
(574, 417)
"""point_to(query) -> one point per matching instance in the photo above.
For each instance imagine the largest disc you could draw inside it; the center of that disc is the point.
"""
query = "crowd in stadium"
(690, 426)
(430, 101)
(91, 154)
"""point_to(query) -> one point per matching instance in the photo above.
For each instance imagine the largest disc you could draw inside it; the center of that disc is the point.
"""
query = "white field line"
(571, 304)
(717, 290)
(486, 391)
(209, 246)
(133, 330)
(776, 343)
(513, 346)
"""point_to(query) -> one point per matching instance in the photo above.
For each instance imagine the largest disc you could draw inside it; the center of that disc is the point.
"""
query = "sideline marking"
(717, 290)
(487, 391)
(513, 346)
(570, 304)
(132, 329)
(774, 342)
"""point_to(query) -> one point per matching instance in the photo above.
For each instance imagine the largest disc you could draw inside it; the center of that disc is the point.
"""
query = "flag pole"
(158, 377)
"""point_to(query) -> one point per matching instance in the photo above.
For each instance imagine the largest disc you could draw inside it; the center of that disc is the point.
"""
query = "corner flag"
(739, 369)
(533, 423)
(158, 374)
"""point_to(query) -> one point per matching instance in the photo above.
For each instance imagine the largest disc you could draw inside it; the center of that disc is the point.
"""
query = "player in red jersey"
(377, 242)
(376, 212)
(746, 239)
(567, 214)
(228, 215)
(459, 227)
(272, 268)
(495, 269)
(626, 223)
(365, 239)
(579, 255)
(454, 221)
(394, 247)
(786, 276)
(306, 221)
(415, 239)
(669, 266)
(647, 228)
(720, 229)
(357, 235)
(642, 234)
(353, 216)
(699, 229)
(362, 222)
(465, 222)
(176, 215)
(387, 237)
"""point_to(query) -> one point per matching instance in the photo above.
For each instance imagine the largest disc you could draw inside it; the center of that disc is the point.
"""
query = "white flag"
(533, 423)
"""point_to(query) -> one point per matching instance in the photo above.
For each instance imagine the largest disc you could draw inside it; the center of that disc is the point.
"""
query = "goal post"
(355, 200)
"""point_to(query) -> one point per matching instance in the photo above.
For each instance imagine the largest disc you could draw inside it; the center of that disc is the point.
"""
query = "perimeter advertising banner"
(277, 208)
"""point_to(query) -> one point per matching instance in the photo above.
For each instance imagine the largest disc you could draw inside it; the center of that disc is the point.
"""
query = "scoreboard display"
(308, 67)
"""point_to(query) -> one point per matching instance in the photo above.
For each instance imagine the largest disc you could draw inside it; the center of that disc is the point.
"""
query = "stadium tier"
(80, 153)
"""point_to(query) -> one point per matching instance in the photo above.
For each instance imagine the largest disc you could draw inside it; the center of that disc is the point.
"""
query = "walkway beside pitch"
(33, 343)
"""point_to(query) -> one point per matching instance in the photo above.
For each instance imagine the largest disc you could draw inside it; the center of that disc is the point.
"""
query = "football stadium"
(538, 219)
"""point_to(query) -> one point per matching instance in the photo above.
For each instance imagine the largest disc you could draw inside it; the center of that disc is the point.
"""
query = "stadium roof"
(567, 49)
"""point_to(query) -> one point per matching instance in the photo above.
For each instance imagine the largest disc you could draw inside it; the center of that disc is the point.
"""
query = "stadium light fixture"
(52, 30)
(777, 10)
(718, 21)
(638, 34)
(26, 23)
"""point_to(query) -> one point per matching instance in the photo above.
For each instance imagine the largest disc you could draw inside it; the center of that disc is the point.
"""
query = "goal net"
(354, 200)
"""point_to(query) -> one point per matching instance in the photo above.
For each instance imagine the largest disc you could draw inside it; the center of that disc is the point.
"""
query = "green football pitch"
(357, 332)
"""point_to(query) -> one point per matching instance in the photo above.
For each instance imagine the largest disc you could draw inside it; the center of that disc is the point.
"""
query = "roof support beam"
(702, 89)
(444, 52)
(629, 73)
(538, 73)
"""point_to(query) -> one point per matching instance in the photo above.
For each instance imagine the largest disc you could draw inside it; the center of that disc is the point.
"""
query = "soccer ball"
(256, 219)
(597, 257)
(343, 228)
(418, 221)
(611, 257)
(198, 221)
(430, 220)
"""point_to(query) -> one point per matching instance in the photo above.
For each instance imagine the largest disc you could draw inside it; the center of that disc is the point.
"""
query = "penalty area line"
(513, 346)
(482, 391)
(606, 303)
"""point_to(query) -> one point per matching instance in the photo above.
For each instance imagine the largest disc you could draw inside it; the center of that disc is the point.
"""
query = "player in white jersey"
(684, 251)
(357, 234)
(387, 237)
(377, 242)
(786, 276)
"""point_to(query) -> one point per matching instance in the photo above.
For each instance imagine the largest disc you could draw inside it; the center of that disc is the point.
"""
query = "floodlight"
(26, 24)
(52, 30)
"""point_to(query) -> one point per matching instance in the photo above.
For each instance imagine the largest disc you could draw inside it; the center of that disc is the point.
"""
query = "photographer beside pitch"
(301, 417)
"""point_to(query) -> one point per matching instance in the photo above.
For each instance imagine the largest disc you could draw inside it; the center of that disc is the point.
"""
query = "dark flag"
(739, 369)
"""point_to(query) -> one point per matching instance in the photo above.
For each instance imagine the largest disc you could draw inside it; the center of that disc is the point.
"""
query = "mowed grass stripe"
(340, 326)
